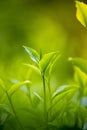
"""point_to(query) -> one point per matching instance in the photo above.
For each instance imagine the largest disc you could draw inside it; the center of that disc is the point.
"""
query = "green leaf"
(64, 93)
(36, 69)
(81, 13)
(37, 95)
(46, 60)
(52, 127)
(5, 108)
(15, 87)
(2, 85)
(33, 54)
(4, 113)
(63, 89)
(57, 111)
(82, 111)
(81, 63)
(53, 61)
(37, 99)
(80, 77)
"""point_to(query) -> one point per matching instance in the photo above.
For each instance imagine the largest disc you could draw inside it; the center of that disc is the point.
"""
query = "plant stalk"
(49, 89)
(45, 99)
(10, 101)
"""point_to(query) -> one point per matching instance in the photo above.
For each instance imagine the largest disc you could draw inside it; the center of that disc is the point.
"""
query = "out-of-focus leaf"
(57, 111)
(63, 89)
(29, 111)
(37, 99)
(80, 77)
(81, 115)
(5, 108)
(4, 113)
(36, 69)
(68, 94)
(81, 13)
(60, 89)
(46, 60)
(2, 85)
(24, 89)
(81, 63)
(52, 127)
(33, 54)
(37, 95)
(15, 87)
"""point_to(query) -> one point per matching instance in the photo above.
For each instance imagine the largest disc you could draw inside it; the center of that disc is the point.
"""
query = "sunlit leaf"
(81, 13)
(53, 61)
(81, 63)
(15, 87)
(67, 93)
(63, 89)
(36, 69)
(33, 54)
(46, 60)
(2, 85)
(80, 77)
(37, 95)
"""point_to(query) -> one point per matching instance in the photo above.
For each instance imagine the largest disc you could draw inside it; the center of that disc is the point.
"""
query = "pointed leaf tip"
(15, 87)
(33, 67)
(81, 13)
(81, 63)
(46, 61)
(35, 57)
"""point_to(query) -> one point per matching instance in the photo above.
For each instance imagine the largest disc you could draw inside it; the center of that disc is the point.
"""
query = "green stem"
(50, 94)
(10, 101)
(44, 90)
(49, 89)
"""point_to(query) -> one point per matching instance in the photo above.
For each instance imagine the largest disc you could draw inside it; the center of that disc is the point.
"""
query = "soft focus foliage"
(42, 25)
(42, 89)
(82, 13)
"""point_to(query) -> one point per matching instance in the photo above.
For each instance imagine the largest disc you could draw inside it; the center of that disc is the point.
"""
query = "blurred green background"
(46, 25)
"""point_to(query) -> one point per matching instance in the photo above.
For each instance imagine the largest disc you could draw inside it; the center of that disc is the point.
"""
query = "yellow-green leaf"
(80, 77)
(37, 95)
(33, 54)
(63, 89)
(54, 60)
(46, 60)
(81, 13)
(15, 87)
(2, 85)
(79, 62)
(36, 69)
